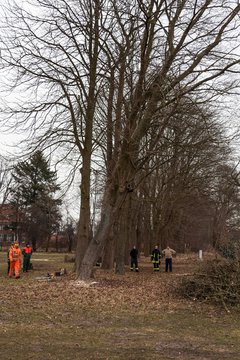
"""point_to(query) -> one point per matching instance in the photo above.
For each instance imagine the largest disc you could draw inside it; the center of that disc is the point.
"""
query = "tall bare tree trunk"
(109, 252)
(97, 243)
(48, 242)
(122, 237)
(84, 220)
(120, 248)
(56, 242)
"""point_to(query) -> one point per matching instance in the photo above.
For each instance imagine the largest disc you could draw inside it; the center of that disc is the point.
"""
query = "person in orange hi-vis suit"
(15, 257)
(8, 259)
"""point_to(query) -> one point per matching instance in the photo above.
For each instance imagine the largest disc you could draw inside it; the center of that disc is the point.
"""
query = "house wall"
(10, 224)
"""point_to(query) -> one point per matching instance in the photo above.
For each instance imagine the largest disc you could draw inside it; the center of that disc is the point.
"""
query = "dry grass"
(135, 316)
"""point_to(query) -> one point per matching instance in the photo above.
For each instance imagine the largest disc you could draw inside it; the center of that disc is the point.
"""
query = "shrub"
(215, 281)
(228, 251)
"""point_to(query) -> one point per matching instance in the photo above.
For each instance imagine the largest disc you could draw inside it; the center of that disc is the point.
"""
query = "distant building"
(11, 224)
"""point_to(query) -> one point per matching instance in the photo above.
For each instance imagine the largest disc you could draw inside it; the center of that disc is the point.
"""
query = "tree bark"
(109, 252)
(84, 220)
(122, 237)
(97, 244)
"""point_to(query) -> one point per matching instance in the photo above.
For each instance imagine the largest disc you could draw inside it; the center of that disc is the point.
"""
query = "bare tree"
(151, 53)
(5, 179)
(178, 180)
(188, 61)
(60, 60)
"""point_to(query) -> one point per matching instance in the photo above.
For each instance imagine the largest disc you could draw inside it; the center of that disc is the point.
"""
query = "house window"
(10, 237)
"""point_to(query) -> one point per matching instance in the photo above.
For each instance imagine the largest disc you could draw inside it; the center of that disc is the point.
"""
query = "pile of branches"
(215, 281)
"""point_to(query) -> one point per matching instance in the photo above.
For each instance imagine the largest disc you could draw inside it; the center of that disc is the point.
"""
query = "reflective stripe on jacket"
(156, 256)
(15, 254)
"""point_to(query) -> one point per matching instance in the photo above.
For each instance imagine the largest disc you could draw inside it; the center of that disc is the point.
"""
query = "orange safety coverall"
(15, 257)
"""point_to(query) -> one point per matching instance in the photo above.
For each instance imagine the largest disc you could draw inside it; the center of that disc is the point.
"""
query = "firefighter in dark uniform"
(134, 259)
(155, 258)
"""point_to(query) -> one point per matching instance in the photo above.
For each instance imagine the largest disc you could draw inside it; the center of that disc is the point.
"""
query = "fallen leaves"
(143, 290)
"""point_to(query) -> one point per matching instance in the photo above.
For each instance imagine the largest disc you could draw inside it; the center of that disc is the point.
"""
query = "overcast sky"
(9, 140)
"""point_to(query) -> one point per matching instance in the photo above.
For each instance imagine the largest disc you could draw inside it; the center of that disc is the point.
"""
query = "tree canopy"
(33, 192)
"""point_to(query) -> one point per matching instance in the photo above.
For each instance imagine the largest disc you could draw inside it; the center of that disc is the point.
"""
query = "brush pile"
(215, 281)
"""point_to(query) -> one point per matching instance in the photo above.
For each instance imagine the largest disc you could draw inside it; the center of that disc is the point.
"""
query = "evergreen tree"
(33, 190)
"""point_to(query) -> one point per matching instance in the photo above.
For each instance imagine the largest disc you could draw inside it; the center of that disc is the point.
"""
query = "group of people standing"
(155, 258)
(15, 258)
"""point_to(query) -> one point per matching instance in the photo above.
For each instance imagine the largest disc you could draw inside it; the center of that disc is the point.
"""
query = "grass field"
(135, 316)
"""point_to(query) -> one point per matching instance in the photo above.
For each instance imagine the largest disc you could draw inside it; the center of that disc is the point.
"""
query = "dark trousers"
(134, 264)
(26, 262)
(168, 265)
(156, 266)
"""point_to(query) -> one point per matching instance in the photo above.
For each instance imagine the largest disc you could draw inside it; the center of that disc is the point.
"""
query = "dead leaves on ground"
(141, 291)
